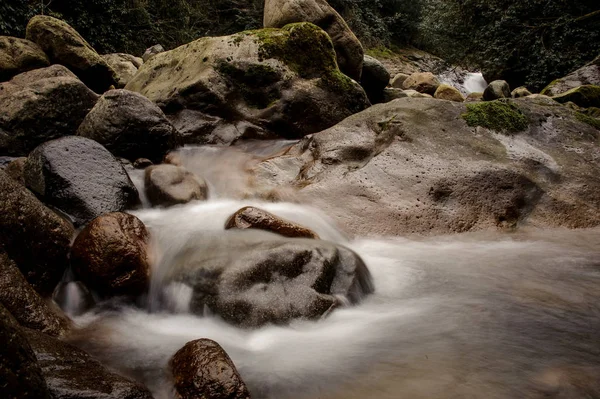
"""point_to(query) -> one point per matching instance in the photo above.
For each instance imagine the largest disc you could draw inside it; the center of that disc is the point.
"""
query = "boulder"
(423, 82)
(520, 92)
(20, 373)
(416, 94)
(129, 126)
(80, 177)
(70, 373)
(496, 90)
(447, 92)
(390, 94)
(589, 74)
(398, 80)
(171, 185)
(374, 79)
(41, 105)
(110, 255)
(16, 169)
(472, 97)
(349, 51)
(583, 96)
(414, 166)
(124, 65)
(33, 236)
(142, 163)
(271, 280)
(151, 51)
(202, 369)
(283, 81)
(65, 46)
(18, 56)
(254, 218)
(25, 304)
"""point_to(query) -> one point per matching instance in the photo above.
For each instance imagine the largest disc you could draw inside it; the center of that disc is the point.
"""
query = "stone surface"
(65, 46)
(16, 169)
(20, 374)
(265, 83)
(520, 92)
(142, 163)
(583, 96)
(472, 97)
(390, 94)
(130, 126)
(171, 185)
(415, 94)
(447, 92)
(151, 51)
(374, 79)
(80, 177)
(423, 82)
(19, 55)
(496, 90)
(254, 218)
(202, 369)
(25, 304)
(70, 373)
(124, 65)
(414, 166)
(33, 236)
(398, 80)
(349, 51)
(41, 105)
(110, 255)
(589, 74)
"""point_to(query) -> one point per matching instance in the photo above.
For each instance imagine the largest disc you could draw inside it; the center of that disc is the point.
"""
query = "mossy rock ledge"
(261, 83)
(499, 115)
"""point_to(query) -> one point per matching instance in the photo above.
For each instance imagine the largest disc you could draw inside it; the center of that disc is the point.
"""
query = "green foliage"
(502, 116)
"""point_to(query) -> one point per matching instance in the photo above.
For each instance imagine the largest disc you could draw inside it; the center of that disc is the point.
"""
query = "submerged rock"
(33, 236)
(65, 46)
(80, 177)
(41, 105)
(254, 218)
(171, 185)
(110, 255)
(124, 65)
(202, 369)
(496, 90)
(423, 82)
(18, 56)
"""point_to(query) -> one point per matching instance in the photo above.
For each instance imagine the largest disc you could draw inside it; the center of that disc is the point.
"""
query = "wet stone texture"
(253, 218)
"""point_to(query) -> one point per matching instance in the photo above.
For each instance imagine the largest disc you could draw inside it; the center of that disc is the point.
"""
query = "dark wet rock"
(70, 373)
(142, 163)
(41, 105)
(36, 238)
(18, 56)
(255, 218)
(496, 90)
(272, 281)
(390, 94)
(65, 46)
(25, 304)
(110, 255)
(20, 373)
(15, 169)
(375, 77)
(202, 369)
(80, 177)
(423, 82)
(124, 65)
(130, 126)
(152, 51)
(171, 185)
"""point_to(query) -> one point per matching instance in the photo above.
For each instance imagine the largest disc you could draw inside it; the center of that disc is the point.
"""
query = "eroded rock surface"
(254, 218)
(19, 55)
(171, 185)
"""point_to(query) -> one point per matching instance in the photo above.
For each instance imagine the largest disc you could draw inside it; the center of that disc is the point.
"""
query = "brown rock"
(472, 97)
(202, 370)
(19, 55)
(15, 170)
(142, 163)
(398, 80)
(254, 218)
(520, 92)
(447, 92)
(423, 82)
(171, 185)
(111, 255)
(124, 65)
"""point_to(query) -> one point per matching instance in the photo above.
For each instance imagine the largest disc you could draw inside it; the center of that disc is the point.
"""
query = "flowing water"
(479, 315)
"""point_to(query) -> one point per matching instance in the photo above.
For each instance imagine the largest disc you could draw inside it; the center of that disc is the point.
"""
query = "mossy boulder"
(588, 74)
(497, 115)
(583, 96)
(282, 82)
(124, 65)
(19, 55)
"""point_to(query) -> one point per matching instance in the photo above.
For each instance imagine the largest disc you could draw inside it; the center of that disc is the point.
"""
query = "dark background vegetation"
(526, 42)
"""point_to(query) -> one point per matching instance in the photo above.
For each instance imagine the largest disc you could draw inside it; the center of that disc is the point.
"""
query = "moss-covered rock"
(497, 115)
(584, 96)
(19, 55)
(590, 120)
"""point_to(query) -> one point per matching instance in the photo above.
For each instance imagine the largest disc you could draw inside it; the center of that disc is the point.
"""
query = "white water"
(476, 315)
(465, 82)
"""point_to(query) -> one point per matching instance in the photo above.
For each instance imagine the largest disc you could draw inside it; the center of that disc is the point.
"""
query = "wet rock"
(124, 65)
(20, 373)
(18, 56)
(520, 92)
(142, 163)
(33, 236)
(589, 74)
(25, 304)
(65, 46)
(349, 51)
(171, 185)
(152, 51)
(110, 255)
(15, 169)
(447, 92)
(496, 90)
(70, 373)
(41, 105)
(255, 84)
(423, 82)
(472, 97)
(130, 126)
(202, 369)
(390, 94)
(272, 281)
(254, 218)
(80, 177)
(583, 96)
(374, 79)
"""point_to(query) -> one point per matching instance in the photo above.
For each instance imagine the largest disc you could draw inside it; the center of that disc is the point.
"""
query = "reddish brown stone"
(254, 218)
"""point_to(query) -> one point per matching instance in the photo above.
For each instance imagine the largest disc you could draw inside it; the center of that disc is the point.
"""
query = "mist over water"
(492, 315)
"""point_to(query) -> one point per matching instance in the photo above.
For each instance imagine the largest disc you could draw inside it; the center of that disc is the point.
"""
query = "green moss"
(584, 96)
(594, 122)
(380, 52)
(546, 90)
(496, 115)
(256, 83)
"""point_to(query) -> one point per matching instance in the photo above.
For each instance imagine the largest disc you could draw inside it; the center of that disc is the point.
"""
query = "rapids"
(492, 315)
